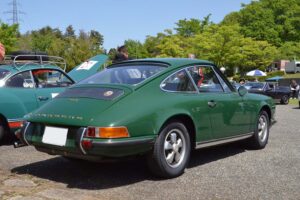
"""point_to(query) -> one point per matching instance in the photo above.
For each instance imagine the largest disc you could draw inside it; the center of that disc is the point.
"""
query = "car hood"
(79, 105)
(87, 68)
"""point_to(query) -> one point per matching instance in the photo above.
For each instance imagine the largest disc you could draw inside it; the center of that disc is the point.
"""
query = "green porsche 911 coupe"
(160, 108)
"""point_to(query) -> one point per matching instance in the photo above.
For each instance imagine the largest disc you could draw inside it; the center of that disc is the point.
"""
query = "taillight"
(86, 144)
(107, 132)
(91, 132)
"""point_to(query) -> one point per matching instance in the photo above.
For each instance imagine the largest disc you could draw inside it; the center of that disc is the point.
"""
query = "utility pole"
(15, 12)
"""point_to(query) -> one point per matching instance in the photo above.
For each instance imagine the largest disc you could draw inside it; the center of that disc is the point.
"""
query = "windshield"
(3, 73)
(254, 85)
(131, 75)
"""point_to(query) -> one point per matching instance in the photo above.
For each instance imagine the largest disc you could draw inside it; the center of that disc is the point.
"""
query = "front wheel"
(284, 100)
(171, 151)
(3, 130)
(261, 133)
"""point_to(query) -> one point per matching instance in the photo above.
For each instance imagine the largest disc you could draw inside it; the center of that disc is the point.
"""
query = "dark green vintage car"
(161, 108)
(28, 80)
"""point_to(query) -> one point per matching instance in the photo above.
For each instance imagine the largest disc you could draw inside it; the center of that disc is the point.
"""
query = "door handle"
(41, 98)
(211, 103)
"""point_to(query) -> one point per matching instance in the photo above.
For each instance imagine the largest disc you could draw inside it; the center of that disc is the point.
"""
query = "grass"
(297, 75)
(294, 102)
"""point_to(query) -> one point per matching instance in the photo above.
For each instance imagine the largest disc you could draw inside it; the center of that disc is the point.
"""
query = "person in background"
(294, 89)
(2, 52)
(242, 81)
(121, 55)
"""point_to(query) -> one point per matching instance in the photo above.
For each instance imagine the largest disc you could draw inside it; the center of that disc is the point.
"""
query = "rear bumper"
(97, 148)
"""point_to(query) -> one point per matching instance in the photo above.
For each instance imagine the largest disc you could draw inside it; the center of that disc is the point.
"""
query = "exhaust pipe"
(19, 144)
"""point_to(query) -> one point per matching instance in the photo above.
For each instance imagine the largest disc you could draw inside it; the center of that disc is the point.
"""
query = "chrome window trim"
(216, 76)
(182, 92)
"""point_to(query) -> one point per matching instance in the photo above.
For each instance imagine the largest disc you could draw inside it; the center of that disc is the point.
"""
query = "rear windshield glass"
(254, 85)
(3, 73)
(130, 75)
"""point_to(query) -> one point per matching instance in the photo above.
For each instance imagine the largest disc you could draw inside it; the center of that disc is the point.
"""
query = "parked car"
(161, 108)
(28, 81)
(281, 94)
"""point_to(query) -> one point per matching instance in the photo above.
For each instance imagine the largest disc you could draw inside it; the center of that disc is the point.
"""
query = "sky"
(116, 20)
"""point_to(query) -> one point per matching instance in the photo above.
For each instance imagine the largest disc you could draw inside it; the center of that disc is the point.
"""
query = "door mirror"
(242, 91)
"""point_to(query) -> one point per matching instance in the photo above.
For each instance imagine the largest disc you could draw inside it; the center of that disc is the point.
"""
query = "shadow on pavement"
(93, 176)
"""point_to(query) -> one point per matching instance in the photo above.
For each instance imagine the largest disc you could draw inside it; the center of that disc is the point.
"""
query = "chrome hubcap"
(262, 128)
(174, 148)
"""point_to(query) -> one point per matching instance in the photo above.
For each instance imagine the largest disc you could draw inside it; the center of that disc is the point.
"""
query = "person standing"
(121, 55)
(2, 52)
(294, 89)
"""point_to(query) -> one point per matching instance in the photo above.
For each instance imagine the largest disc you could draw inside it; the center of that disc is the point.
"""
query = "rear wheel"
(261, 133)
(171, 151)
(284, 100)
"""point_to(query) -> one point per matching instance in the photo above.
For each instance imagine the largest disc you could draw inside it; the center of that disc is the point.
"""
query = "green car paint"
(19, 99)
(145, 108)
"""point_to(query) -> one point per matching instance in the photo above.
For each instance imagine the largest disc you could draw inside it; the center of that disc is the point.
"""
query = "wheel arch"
(187, 121)
(268, 110)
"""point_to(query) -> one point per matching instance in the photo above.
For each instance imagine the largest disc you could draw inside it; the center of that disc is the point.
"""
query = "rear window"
(3, 73)
(253, 85)
(129, 74)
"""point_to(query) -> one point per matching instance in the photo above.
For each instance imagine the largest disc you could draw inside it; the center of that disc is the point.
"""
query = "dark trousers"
(294, 94)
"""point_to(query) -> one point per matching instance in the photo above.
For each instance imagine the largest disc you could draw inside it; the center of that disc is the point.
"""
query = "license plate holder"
(55, 136)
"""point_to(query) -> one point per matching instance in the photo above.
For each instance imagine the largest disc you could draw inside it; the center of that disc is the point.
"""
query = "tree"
(135, 49)
(70, 32)
(290, 51)
(8, 36)
(68, 46)
(276, 21)
(191, 27)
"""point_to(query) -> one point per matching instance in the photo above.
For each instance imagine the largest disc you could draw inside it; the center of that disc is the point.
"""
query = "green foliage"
(290, 51)
(275, 21)
(8, 36)
(135, 49)
(188, 28)
(74, 49)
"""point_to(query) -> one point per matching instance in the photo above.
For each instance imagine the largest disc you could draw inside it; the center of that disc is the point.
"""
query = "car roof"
(14, 69)
(171, 62)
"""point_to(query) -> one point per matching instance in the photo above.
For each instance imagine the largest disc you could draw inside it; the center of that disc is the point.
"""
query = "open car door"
(87, 68)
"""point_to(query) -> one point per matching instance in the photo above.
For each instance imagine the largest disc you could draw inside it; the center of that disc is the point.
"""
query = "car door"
(180, 86)
(269, 89)
(18, 95)
(49, 83)
(227, 110)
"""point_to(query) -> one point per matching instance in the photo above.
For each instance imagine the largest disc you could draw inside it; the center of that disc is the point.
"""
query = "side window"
(21, 80)
(178, 82)
(205, 79)
(48, 78)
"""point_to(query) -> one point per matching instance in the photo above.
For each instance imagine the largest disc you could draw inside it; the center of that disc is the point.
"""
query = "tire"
(3, 130)
(171, 151)
(284, 100)
(261, 133)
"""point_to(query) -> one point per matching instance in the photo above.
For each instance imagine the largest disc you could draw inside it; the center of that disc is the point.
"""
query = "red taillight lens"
(86, 144)
(91, 132)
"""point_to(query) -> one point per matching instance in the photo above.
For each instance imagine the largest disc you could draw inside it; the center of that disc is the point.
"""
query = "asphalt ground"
(223, 172)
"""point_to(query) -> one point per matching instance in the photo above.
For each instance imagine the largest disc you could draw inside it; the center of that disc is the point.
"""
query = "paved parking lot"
(224, 172)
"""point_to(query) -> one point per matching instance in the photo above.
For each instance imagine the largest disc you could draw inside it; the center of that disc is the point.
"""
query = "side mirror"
(242, 91)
